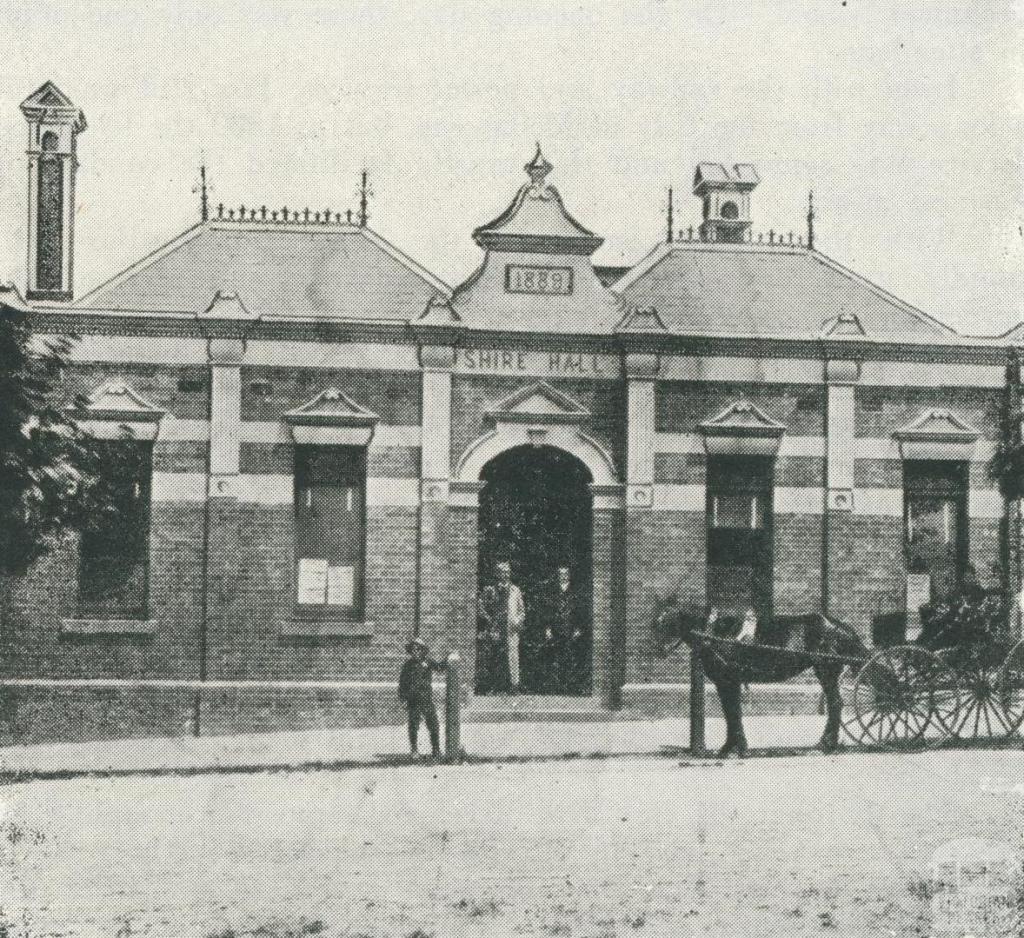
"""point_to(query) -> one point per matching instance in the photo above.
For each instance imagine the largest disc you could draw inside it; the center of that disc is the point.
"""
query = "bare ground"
(791, 846)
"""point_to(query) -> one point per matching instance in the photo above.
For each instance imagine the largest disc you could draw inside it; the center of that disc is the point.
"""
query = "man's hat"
(414, 642)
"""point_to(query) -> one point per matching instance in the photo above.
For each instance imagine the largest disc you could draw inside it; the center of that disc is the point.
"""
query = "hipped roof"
(295, 271)
(747, 290)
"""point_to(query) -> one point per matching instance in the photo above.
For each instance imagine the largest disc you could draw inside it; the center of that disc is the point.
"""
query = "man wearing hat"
(416, 692)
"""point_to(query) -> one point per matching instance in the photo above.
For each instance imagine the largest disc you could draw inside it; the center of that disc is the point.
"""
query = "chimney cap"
(709, 177)
(48, 103)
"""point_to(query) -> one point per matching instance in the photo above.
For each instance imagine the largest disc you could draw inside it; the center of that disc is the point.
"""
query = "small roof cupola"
(537, 221)
(54, 124)
(725, 195)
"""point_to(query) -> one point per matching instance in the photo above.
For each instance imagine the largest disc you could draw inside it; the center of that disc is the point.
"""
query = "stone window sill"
(316, 627)
(108, 626)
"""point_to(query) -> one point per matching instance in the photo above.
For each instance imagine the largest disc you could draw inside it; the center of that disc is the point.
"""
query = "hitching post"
(451, 710)
(696, 704)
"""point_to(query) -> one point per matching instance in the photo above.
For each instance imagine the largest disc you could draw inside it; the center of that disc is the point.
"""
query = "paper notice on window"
(341, 586)
(312, 586)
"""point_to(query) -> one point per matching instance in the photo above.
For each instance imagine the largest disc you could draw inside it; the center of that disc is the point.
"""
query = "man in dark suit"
(566, 637)
(417, 693)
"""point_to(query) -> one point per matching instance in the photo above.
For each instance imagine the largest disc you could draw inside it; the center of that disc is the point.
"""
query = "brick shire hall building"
(336, 447)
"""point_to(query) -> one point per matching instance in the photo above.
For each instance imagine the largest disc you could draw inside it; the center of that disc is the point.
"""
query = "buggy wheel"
(898, 697)
(981, 713)
(1011, 687)
(851, 727)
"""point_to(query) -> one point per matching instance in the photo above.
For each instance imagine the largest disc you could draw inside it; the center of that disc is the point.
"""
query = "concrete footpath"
(385, 746)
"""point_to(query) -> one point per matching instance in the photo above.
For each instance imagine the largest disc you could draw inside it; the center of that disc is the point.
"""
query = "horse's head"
(672, 624)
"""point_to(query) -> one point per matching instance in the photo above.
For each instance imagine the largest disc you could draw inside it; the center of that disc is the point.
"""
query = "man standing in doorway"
(560, 622)
(503, 611)
(575, 650)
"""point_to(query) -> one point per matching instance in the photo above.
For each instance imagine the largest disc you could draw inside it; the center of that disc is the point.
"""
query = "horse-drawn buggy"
(962, 677)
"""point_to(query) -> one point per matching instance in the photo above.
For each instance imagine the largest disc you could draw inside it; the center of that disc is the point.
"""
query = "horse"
(803, 642)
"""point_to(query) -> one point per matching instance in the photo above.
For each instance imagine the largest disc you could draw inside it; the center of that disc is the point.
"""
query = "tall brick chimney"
(54, 124)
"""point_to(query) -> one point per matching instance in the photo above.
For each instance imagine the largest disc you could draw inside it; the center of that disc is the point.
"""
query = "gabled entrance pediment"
(332, 418)
(742, 429)
(539, 403)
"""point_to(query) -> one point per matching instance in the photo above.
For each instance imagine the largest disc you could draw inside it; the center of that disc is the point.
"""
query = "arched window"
(50, 217)
(729, 210)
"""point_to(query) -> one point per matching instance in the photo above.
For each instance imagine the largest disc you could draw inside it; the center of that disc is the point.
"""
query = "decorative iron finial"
(220, 209)
(810, 220)
(348, 216)
(365, 194)
(538, 168)
(203, 191)
(670, 215)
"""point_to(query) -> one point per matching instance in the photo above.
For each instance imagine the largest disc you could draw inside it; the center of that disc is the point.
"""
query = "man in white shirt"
(513, 611)
(501, 616)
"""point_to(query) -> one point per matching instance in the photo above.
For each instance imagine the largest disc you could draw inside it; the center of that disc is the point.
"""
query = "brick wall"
(461, 534)
(253, 595)
(866, 569)
(882, 410)
(393, 395)
(683, 405)
(665, 555)
(473, 395)
(34, 644)
(183, 391)
(69, 712)
(798, 542)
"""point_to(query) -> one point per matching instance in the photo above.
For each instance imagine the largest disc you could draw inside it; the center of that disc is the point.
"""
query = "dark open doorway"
(536, 513)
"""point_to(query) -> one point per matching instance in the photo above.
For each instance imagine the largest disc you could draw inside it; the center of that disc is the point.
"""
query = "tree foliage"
(53, 476)
(1007, 466)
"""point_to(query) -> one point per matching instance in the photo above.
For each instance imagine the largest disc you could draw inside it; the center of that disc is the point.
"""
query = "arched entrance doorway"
(536, 514)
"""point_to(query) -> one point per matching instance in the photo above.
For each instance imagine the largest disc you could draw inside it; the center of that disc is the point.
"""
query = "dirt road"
(801, 845)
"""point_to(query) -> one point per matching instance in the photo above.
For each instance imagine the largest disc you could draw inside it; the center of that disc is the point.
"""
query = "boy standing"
(416, 692)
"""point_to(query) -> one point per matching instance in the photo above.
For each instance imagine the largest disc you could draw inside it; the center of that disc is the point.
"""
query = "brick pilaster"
(435, 616)
(838, 590)
(223, 528)
(639, 548)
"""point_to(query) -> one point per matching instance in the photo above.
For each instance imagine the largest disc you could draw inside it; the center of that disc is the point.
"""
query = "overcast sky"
(905, 118)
